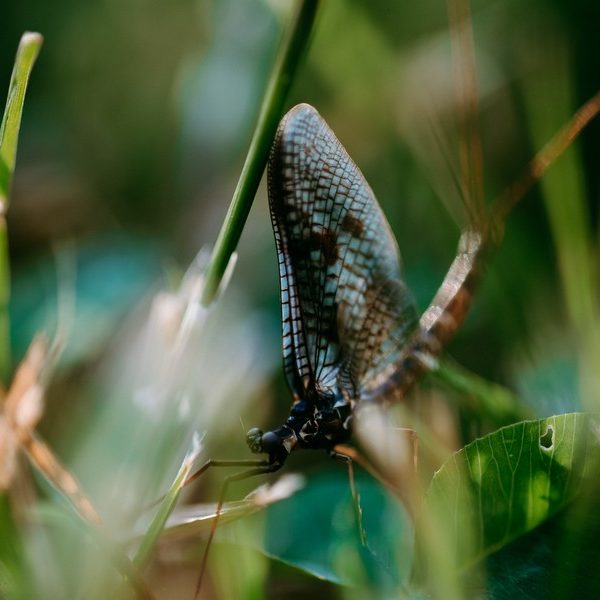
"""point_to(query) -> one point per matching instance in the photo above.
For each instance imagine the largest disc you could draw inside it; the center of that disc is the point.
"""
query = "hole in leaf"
(547, 439)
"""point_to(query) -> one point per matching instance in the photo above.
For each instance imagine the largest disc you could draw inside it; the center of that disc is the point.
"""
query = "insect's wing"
(345, 309)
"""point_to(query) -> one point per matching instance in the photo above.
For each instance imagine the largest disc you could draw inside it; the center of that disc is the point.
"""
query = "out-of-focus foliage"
(135, 127)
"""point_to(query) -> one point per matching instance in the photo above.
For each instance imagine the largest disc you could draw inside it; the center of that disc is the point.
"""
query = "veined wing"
(346, 312)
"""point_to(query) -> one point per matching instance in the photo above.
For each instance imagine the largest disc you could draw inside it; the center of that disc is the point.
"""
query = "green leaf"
(543, 564)
(316, 531)
(505, 484)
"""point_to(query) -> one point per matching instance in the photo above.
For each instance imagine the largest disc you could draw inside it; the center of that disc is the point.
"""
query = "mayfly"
(350, 329)
(351, 332)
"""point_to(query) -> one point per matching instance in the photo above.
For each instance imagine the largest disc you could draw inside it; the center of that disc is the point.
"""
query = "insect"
(351, 332)
(350, 329)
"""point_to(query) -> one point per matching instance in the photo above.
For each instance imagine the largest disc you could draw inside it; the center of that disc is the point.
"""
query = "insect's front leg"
(261, 467)
(251, 462)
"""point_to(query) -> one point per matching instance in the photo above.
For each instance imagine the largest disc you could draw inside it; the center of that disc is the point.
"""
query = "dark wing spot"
(325, 240)
(330, 328)
(352, 225)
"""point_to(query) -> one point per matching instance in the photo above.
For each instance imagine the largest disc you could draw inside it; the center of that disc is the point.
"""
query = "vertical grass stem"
(291, 51)
(27, 53)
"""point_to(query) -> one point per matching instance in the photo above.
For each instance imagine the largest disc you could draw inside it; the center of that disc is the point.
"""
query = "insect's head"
(254, 440)
(270, 442)
(267, 443)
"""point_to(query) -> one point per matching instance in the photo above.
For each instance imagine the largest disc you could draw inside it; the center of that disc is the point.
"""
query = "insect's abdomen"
(450, 305)
(439, 322)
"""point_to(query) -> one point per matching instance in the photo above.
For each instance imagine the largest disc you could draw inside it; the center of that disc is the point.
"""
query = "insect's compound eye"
(271, 443)
(254, 440)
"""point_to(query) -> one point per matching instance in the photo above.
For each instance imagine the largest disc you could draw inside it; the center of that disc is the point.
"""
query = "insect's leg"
(347, 460)
(359, 459)
(262, 469)
(397, 475)
(213, 463)
(414, 440)
(226, 463)
(397, 459)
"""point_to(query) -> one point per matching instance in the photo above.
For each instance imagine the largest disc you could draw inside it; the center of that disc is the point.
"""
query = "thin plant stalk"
(291, 51)
(27, 52)
(545, 158)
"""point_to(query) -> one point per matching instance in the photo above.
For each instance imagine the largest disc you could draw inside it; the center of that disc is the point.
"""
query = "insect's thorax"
(320, 421)
(317, 422)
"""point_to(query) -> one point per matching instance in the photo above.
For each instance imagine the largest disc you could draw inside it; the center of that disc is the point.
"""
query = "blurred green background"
(136, 124)
(139, 115)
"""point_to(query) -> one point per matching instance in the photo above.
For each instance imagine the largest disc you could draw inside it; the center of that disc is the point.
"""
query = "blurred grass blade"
(58, 476)
(486, 398)
(282, 77)
(27, 52)
(465, 77)
(54, 514)
(546, 157)
(191, 521)
(166, 507)
(567, 207)
(23, 408)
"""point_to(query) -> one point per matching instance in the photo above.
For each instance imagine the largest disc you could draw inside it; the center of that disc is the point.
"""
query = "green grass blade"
(565, 201)
(56, 515)
(564, 193)
(484, 397)
(290, 53)
(27, 52)
(165, 509)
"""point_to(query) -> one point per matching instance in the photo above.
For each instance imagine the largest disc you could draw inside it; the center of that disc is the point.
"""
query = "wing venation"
(346, 312)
